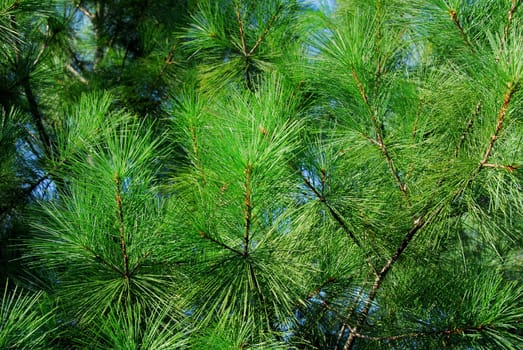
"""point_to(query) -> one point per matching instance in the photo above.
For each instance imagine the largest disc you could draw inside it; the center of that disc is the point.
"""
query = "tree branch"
(509, 168)
(266, 31)
(85, 11)
(121, 225)
(381, 144)
(333, 212)
(242, 33)
(444, 332)
(509, 93)
(221, 244)
(248, 209)
(510, 16)
(454, 17)
(418, 224)
(102, 260)
(37, 116)
(76, 74)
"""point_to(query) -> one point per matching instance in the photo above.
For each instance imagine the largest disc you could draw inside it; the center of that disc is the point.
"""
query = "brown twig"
(510, 16)
(457, 23)
(509, 93)
(37, 116)
(242, 33)
(85, 11)
(509, 168)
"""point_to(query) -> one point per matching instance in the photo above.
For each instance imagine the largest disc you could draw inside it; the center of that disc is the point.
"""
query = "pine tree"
(272, 175)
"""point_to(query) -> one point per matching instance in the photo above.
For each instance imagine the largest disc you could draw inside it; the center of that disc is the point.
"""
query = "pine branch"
(337, 217)
(85, 11)
(509, 168)
(76, 74)
(102, 260)
(510, 16)
(266, 30)
(379, 136)
(418, 224)
(349, 313)
(248, 209)
(242, 33)
(468, 128)
(509, 93)
(444, 332)
(333, 212)
(221, 244)
(457, 23)
(121, 225)
(321, 286)
(37, 115)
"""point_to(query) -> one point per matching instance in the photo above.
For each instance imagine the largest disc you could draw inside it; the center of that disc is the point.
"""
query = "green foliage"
(261, 175)
(24, 320)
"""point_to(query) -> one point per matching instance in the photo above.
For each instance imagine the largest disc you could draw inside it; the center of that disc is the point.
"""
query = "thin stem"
(468, 128)
(379, 135)
(337, 217)
(333, 212)
(37, 116)
(248, 209)
(221, 244)
(102, 260)
(509, 168)
(85, 11)
(266, 30)
(457, 23)
(444, 332)
(509, 93)
(121, 225)
(321, 286)
(510, 16)
(418, 224)
(242, 33)
(349, 312)
(76, 74)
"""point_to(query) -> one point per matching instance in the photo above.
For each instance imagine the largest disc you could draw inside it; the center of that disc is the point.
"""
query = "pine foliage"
(261, 175)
